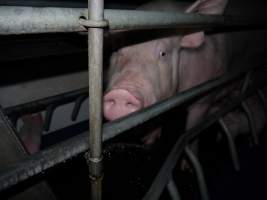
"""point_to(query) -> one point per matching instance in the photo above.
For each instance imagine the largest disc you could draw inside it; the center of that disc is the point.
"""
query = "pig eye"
(163, 54)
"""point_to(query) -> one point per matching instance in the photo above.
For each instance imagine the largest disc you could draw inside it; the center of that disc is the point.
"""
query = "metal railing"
(65, 150)
(26, 20)
(49, 20)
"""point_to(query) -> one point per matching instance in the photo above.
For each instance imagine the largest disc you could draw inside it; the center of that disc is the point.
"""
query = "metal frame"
(65, 150)
(43, 20)
(50, 20)
(95, 69)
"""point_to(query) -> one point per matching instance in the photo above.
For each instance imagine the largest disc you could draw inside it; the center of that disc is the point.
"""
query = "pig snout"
(119, 103)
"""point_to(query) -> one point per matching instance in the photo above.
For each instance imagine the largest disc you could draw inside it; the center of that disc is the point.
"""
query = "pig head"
(145, 73)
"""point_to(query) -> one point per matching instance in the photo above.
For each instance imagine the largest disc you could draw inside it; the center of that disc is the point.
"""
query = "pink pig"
(145, 73)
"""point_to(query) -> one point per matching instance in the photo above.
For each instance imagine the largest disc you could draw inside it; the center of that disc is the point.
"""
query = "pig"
(30, 132)
(237, 121)
(145, 73)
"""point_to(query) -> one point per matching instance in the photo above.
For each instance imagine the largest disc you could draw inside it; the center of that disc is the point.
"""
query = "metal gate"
(25, 20)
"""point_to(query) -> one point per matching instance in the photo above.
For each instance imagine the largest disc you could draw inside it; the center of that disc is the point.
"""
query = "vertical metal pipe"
(248, 111)
(48, 117)
(264, 102)
(246, 82)
(251, 122)
(95, 60)
(173, 190)
(77, 107)
(199, 172)
(231, 144)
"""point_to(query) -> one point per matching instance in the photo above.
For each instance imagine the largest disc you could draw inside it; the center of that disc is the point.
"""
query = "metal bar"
(95, 70)
(11, 153)
(246, 82)
(26, 20)
(77, 107)
(42, 104)
(263, 99)
(231, 144)
(199, 173)
(247, 110)
(165, 172)
(65, 150)
(132, 120)
(43, 3)
(251, 122)
(48, 117)
(135, 119)
(173, 190)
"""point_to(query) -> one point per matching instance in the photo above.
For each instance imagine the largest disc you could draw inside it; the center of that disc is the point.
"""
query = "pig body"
(237, 121)
(143, 74)
(31, 131)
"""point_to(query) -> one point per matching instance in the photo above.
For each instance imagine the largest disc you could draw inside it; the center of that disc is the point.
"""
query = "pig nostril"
(132, 107)
(111, 102)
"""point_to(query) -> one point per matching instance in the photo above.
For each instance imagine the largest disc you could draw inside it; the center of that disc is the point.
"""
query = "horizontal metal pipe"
(42, 104)
(67, 149)
(44, 3)
(65, 4)
(26, 20)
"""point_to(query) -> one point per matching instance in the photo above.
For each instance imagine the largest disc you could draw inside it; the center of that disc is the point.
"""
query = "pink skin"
(120, 102)
(129, 90)
(237, 121)
(142, 74)
(136, 83)
(31, 131)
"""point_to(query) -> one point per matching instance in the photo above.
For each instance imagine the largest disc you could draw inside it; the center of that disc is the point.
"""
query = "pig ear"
(207, 7)
(192, 40)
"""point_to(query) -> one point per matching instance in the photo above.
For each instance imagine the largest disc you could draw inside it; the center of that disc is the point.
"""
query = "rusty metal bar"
(199, 173)
(95, 70)
(26, 20)
(173, 190)
(231, 144)
(65, 150)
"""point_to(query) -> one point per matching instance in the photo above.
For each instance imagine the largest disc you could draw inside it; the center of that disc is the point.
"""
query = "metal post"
(246, 82)
(248, 111)
(95, 56)
(231, 144)
(199, 173)
(251, 122)
(264, 102)
(173, 191)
